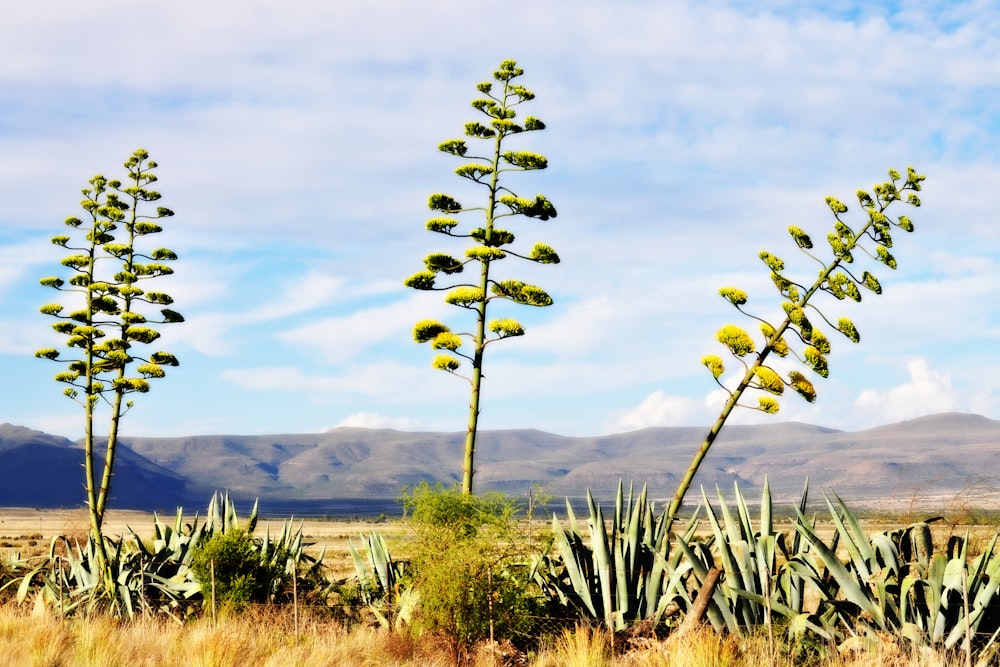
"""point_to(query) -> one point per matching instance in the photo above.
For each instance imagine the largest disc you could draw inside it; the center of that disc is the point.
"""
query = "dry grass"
(268, 639)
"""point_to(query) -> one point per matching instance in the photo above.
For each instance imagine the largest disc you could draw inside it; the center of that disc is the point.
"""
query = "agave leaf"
(573, 561)
(718, 613)
(602, 557)
(848, 584)
(886, 553)
(734, 577)
(855, 544)
(746, 521)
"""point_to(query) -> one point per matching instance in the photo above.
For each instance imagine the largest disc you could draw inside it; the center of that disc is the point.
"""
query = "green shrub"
(470, 567)
(232, 560)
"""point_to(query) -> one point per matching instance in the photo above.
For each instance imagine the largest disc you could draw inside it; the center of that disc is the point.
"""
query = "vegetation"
(477, 586)
(109, 315)
(268, 638)
(160, 576)
(873, 238)
(470, 568)
(790, 589)
(491, 243)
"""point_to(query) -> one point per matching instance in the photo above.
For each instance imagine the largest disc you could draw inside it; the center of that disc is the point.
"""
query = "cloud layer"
(297, 144)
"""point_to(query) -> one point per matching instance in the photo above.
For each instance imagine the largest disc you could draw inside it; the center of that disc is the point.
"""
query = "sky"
(297, 144)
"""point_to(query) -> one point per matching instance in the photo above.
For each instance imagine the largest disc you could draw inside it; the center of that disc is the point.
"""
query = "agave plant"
(761, 578)
(67, 581)
(156, 578)
(381, 582)
(894, 582)
(621, 576)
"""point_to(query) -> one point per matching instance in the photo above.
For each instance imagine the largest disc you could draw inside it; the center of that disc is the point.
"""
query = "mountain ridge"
(941, 456)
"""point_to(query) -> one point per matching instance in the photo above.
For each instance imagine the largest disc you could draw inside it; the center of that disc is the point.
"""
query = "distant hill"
(41, 470)
(948, 457)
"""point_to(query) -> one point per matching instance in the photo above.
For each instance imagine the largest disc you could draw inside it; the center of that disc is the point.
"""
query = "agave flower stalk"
(111, 315)
(835, 278)
(492, 244)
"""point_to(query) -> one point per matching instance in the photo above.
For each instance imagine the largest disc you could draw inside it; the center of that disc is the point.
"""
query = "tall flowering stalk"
(837, 277)
(110, 314)
(491, 243)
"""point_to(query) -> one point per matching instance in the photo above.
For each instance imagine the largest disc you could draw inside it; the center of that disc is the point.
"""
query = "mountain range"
(944, 458)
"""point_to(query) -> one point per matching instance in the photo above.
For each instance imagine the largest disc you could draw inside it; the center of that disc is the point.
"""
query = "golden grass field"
(267, 639)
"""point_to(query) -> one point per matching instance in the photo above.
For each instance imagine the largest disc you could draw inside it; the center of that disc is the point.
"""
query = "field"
(28, 640)
(30, 531)
(270, 636)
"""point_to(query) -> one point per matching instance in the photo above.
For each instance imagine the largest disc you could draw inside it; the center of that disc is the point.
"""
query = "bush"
(471, 569)
(232, 560)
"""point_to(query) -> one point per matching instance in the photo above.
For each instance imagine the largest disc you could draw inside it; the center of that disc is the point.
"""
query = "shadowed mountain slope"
(42, 470)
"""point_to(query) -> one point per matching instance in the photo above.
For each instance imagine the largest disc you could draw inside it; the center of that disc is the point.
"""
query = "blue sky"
(297, 146)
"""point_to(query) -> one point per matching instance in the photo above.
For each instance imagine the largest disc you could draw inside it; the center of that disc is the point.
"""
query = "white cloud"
(372, 420)
(297, 145)
(927, 392)
(658, 409)
(388, 381)
(30, 256)
(339, 339)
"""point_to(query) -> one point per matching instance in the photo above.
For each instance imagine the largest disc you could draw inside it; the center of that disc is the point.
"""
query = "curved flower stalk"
(111, 313)
(796, 334)
(491, 243)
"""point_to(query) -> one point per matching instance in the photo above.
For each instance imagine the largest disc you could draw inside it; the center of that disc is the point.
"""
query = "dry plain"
(28, 532)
